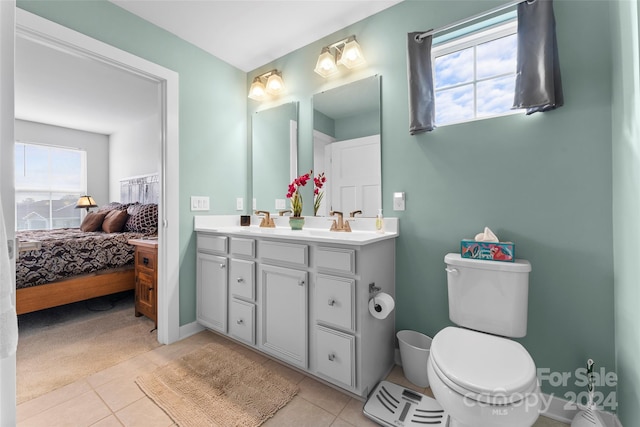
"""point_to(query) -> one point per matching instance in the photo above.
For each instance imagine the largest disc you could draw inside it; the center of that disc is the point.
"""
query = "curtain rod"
(419, 37)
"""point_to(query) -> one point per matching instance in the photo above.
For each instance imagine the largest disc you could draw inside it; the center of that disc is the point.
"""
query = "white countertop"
(316, 229)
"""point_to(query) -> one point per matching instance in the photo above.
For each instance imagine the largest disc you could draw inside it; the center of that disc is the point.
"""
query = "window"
(475, 75)
(49, 180)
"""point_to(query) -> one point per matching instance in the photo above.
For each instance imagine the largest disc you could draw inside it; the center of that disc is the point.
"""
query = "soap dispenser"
(379, 222)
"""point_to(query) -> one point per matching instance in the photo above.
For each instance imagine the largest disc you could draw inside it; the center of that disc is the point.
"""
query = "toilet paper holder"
(373, 290)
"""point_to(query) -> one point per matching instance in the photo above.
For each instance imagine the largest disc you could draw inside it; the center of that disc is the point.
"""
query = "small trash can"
(414, 353)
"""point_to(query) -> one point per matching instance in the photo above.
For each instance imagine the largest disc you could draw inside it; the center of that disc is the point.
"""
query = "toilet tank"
(488, 296)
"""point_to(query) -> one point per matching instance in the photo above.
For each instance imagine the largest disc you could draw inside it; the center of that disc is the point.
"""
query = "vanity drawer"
(336, 259)
(242, 247)
(287, 253)
(335, 353)
(242, 278)
(212, 243)
(334, 298)
(242, 317)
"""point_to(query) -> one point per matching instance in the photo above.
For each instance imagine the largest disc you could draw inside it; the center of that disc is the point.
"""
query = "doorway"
(58, 37)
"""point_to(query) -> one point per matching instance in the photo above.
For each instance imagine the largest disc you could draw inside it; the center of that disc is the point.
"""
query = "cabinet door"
(146, 294)
(284, 314)
(211, 291)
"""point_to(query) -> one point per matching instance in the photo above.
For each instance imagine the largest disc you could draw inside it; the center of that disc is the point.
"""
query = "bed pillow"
(142, 218)
(93, 221)
(114, 221)
(110, 206)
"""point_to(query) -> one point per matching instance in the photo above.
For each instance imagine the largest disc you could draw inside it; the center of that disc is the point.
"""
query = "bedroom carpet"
(60, 345)
(217, 386)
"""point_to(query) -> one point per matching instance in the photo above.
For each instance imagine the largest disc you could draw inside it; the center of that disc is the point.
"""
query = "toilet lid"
(493, 369)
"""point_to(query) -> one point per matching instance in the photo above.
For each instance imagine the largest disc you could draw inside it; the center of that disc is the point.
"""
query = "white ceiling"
(55, 87)
(248, 34)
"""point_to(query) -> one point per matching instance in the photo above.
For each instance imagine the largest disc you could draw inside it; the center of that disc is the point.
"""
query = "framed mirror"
(274, 139)
(346, 147)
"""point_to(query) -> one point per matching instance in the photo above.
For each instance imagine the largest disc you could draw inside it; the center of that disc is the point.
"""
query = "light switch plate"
(398, 201)
(281, 204)
(239, 204)
(199, 203)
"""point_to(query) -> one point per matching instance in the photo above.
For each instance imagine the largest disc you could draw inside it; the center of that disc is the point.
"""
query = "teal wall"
(543, 181)
(626, 203)
(358, 126)
(213, 127)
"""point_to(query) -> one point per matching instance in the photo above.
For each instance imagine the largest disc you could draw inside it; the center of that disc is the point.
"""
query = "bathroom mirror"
(274, 140)
(346, 147)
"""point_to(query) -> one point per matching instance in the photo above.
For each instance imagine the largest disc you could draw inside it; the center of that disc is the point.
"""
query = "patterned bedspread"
(68, 252)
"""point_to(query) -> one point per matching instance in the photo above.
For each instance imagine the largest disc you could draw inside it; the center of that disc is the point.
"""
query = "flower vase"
(296, 222)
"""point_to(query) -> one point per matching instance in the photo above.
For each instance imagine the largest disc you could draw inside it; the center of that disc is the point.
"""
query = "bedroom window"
(475, 74)
(49, 180)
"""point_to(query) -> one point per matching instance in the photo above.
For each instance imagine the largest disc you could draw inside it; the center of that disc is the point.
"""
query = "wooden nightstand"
(146, 264)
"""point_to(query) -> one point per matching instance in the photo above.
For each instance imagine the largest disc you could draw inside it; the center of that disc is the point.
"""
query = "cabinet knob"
(301, 283)
(240, 279)
(332, 357)
(150, 289)
(223, 265)
(332, 302)
(240, 321)
(145, 261)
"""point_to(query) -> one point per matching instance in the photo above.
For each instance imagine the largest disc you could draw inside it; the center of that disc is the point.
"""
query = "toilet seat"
(483, 367)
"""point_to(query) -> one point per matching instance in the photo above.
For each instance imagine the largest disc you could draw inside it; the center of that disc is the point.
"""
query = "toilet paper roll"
(381, 305)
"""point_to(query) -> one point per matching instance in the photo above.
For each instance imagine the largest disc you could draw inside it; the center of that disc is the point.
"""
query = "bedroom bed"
(61, 266)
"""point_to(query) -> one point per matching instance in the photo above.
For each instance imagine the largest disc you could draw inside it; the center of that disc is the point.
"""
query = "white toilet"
(478, 376)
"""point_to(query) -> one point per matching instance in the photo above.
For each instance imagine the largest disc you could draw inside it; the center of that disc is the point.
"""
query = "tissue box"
(491, 251)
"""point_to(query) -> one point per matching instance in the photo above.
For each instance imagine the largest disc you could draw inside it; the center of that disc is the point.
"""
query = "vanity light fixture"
(345, 52)
(269, 83)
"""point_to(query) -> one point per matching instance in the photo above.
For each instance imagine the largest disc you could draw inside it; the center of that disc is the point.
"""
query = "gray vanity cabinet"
(302, 302)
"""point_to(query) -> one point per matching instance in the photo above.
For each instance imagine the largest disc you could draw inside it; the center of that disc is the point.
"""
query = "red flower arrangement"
(318, 183)
(294, 194)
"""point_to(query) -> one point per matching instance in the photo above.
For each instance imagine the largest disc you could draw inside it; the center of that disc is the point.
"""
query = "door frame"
(59, 37)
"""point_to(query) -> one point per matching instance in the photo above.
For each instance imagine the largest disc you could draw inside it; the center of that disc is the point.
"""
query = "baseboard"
(555, 407)
(190, 329)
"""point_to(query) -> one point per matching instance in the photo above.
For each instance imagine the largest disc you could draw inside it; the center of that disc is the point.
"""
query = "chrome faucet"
(340, 225)
(266, 221)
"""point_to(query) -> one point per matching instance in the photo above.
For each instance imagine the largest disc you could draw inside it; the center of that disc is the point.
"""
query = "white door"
(7, 24)
(355, 180)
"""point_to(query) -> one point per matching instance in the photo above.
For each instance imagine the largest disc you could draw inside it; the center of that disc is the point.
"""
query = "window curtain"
(538, 84)
(8, 318)
(421, 93)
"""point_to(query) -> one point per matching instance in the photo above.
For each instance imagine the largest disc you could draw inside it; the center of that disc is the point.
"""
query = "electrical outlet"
(199, 203)
(239, 204)
(398, 201)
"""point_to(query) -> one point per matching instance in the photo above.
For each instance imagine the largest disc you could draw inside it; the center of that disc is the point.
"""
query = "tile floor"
(110, 398)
